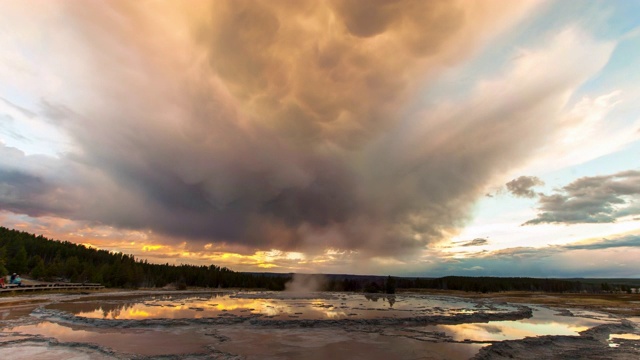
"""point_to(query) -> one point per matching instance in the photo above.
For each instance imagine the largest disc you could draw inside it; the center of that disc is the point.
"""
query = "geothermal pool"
(280, 306)
(278, 325)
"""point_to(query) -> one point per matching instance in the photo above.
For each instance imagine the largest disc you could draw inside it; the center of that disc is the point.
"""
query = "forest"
(380, 284)
(501, 284)
(54, 260)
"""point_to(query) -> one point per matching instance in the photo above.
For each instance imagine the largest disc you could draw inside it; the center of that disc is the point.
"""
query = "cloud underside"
(283, 124)
(522, 186)
(592, 199)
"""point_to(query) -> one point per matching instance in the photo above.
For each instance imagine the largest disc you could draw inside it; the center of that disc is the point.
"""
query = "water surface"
(274, 305)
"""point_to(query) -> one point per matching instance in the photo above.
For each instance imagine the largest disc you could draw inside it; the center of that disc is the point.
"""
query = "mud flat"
(268, 325)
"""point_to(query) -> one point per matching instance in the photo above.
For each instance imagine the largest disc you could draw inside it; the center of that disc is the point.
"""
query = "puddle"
(614, 337)
(45, 352)
(14, 313)
(543, 322)
(147, 342)
(336, 344)
(635, 319)
(274, 306)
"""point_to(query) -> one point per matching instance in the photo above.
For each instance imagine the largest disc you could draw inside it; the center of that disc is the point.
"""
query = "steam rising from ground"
(305, 284)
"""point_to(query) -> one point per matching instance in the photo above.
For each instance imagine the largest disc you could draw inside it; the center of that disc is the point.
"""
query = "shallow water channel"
(268, 325)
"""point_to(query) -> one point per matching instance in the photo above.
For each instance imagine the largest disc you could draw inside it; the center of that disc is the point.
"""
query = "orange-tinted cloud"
(282, 124)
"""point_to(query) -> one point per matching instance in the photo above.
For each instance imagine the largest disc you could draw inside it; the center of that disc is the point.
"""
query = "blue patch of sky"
(502, 208)
(533, 266)
(19, 97)
(607, 21)
(622, 71)
(625, 159)
(505, 205)
(29, 133)
(612, 21)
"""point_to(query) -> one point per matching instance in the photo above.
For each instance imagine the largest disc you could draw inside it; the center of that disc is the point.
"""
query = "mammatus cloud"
(521, 187)
(281, 125)
(593, 199)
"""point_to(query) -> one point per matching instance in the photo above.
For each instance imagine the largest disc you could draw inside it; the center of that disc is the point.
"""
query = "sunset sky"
(417, 138)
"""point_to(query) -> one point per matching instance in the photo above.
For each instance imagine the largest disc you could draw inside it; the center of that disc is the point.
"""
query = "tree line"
(53, 260)
(389, 284)
(501, 284)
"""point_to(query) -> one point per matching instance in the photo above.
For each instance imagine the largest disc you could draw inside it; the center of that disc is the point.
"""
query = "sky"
(411, 138)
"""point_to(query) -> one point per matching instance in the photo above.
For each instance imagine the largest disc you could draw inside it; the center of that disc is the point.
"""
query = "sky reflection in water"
(335, 306)
(147, 342)
(323, 306)
(544, 322)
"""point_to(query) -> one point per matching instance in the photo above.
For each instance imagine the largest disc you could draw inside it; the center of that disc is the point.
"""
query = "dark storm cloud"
(522, 186)
(595, 199)
(24, 189)
(15, 187)
(276, 124)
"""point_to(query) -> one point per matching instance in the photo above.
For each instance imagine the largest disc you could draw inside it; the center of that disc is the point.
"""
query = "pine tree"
(18, 263)
(390, 287)
(38, 271)
(3, 259)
